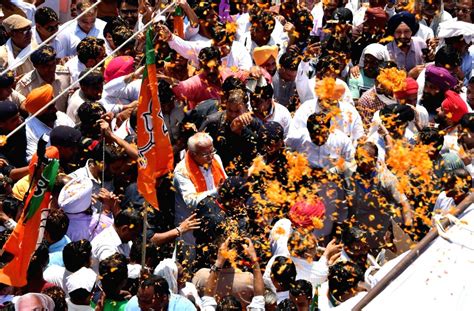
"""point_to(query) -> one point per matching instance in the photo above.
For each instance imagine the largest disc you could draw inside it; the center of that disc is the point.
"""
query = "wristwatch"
(215, 268)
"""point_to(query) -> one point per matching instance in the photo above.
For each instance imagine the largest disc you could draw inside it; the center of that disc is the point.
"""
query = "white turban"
(76, 195)
(377, 50)
(454, 28)
(168, 269)
(84, 278)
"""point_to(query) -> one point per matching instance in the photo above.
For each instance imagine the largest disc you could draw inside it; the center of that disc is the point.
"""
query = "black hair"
(229, 303)
(289, 61)
(262, 92)
(232, 83)
(112, 24)
(401, 113)
(286, 305)
(121, 34)
(130, 2)
(128, 217)
(89, 48)
(430, 135)
(447, 56)
(79, 294)
(209, 53)
(113, 273)
(344, 277)
(94, 78)
(57, 224)
(43, 55)
(76, 255)
(471, 80)
(7, 79)
(283, 271)
(202, 9)
(303, 21)
(352, 234)
(387, 64)
(45, 15)
(270, 132)
(160, 285)
(39, 260)
(316, 120)
(302, 287)
(467, 121)
(88, 113)
(59, 297)
(262, 18)
(165, 92)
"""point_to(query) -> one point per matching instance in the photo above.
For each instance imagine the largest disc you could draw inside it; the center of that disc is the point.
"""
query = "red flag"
(24, 239)
(154, 146)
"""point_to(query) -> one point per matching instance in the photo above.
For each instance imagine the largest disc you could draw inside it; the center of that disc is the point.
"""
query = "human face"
(12, 123)
(146, 298)
(48, 29)
(93, 93)
(302, 303)
(463, 11)
(47, 71)
(30, 303)
(366, 160)
(234, 110)
(129, 13)
(441, 118)
(5, 92)
(370, 66)
(204, 153)
(470, 95)
(259, 34)
(270, 66)
(329, 8)
(320, 135)
(287, 75)
(262, 107)
(92, 62)
(87, 22)
(48, 115)
(21, 37)
(430, 89)
(431, 8)
(403, 34)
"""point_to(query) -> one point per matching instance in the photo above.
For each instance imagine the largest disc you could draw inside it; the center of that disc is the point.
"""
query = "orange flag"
(178, 22)
(154, 146)
(24, 239)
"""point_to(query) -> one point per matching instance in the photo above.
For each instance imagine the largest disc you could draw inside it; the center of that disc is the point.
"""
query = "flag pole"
(145, 228)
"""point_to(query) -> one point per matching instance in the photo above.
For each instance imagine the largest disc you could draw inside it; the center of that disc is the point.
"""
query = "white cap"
(84, 278)
(76, 195)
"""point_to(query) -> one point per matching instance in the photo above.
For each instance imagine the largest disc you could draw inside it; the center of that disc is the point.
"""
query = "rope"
(87, 73)
(65, 26)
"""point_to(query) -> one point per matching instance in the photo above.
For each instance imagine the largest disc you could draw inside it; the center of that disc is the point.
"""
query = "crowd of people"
(313, 143)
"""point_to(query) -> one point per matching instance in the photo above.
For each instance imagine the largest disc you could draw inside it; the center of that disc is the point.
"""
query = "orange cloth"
(262, 53)
(38, 97)
(197, 178)
(51, 153)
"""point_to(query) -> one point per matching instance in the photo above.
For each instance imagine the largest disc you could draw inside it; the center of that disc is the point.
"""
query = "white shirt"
(73, 104)
(282, 115)
(107, 243)
(75, 68)
(316, 271)
(73, 307)
(326, 156)
(444, 203)
(57, 275)
(348, 120)
(424, 32)
(35, 129)
(187, 198)
(71, 36)
(54, 43)
(117, 93)
(238, 56)
(306, 86)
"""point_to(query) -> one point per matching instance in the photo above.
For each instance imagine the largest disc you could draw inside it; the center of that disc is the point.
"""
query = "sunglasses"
(463, 10)
(23, 31)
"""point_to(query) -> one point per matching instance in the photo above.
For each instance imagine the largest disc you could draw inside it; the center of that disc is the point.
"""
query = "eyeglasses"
(207, 154)
(463, 10)
(129, 12)
(23, 31)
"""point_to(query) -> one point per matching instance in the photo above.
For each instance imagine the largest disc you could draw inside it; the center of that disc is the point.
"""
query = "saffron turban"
(38, 97)
(262, 54)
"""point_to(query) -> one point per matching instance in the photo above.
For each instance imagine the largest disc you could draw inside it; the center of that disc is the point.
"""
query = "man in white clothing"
(117, 238)
(197, 176)
(86, 26)
(323, 148)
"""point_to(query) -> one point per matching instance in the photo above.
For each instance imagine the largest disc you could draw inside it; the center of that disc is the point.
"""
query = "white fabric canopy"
(440, 279)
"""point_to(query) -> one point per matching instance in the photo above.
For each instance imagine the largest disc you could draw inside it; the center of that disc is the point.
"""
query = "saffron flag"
(24, 239)
(154, 146)
(178, 22)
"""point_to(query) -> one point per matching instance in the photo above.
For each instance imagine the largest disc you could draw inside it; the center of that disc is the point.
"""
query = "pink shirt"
(196, 89)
